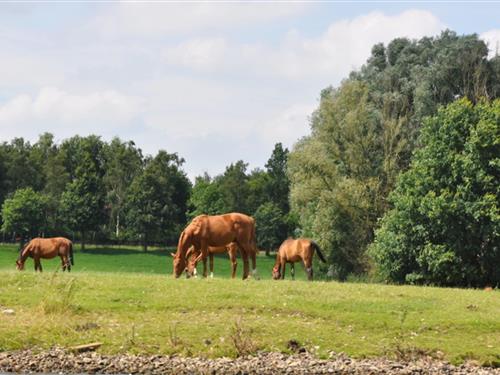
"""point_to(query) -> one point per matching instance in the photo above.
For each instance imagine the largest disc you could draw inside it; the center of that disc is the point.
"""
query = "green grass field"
(129, 301)
(129, 259)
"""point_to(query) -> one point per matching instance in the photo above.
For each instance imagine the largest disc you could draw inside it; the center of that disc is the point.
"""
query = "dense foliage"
(445, 225)
(365, 132)
(88, 189)
(24, 213)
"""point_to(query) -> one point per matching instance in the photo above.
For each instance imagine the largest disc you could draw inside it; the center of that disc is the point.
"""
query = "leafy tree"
(278, 183)
(444, 228)
(82, 203)
(271, 227)
(123, 162)
(22, 170)
(337, 175)
(24, 213)
(258, 189)
(234, 188)
(206, 197)
(157, 199)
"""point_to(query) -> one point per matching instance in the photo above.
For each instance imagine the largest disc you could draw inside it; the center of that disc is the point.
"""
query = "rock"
(58, 360)
(8, 311)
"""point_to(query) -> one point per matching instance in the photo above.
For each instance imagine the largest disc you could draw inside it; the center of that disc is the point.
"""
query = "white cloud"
(492, 39)
(57, 110)
(158, 19)
(344, 46)
(199, 53)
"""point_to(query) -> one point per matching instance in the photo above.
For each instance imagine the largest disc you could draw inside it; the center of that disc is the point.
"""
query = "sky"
(215, 82)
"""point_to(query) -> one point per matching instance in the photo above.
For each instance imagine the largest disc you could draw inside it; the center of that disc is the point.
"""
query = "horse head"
(19, 265)
(276, 272)
(191, 256)
(184, 244)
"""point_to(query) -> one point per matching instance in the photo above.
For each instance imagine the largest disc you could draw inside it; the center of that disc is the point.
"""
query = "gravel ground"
(61, 361)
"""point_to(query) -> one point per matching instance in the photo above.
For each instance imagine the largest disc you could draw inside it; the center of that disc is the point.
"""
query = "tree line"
(92, 190)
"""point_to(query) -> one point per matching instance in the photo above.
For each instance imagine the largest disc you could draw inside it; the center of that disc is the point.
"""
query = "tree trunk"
(83, 240)
(145, 243)
(117, 225)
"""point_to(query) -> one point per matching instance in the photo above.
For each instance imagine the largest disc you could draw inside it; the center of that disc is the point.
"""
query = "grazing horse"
(292, 251)
(217, 230)
(192, 254)
(47, 248)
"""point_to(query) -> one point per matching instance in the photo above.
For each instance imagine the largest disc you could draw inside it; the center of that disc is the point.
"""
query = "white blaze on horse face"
(195, 272)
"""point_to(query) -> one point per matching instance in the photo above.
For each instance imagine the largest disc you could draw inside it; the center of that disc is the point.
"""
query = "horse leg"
(63, 263)
(68, 263)
(244, 255)
(38, 264)
(283, 267)
(234, 264)
(254, 264)
(205, 267)
(292, 271)
(211, 266)
(309, 269)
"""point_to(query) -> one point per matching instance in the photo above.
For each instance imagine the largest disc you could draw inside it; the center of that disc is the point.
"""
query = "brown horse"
(47, 248)
(292, 251)
(217, 230)
(192, 254)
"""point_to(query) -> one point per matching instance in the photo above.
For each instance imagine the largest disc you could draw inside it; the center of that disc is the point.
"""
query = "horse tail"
(71, 253)
(318, 250)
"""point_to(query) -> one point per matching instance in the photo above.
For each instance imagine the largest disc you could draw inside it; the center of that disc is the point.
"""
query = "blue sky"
(214, 82)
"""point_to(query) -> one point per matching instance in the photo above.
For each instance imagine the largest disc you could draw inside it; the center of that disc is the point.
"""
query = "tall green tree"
(206, 197)
(24, 214)
(82, 203)
(258, 189)
(123, 163)
(234, 187)
(336, 175)
(22, 170)
(278, 186)
(157, 200)
(271, 227)
(444, 228)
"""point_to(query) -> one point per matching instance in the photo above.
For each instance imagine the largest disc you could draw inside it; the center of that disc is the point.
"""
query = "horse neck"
(183, 245)
(277, 263)
(24, 253)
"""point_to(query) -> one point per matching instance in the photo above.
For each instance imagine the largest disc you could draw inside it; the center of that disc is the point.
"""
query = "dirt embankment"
(61, 361)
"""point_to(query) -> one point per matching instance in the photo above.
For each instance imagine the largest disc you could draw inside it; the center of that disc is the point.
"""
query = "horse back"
(294, 250)
(50, 247)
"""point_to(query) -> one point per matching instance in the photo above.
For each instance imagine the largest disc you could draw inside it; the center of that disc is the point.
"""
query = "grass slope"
(153, 313)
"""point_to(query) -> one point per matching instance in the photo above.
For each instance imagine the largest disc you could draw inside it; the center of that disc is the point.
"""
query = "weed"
(241, 339)
(175, 341)
(59, 296)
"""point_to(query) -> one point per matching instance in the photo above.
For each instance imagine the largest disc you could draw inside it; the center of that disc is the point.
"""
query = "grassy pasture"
(133, 259)
(133, 305)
